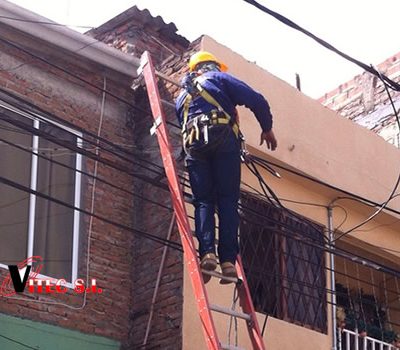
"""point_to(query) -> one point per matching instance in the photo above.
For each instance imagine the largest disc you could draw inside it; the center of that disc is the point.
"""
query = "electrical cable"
(140, 233)
(392, 193)
(92, 200)
(310, 178)
(369, 68)
(82, 138)
(393, 85)
(266, 189)
(134, 155)
(123, 189)
(82, 151)
(118, 98)
(313, 243)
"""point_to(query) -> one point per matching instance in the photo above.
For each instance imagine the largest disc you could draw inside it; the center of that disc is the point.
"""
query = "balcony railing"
(350, 340)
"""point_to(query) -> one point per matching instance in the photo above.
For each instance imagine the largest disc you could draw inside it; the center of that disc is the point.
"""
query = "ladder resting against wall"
(204, 307)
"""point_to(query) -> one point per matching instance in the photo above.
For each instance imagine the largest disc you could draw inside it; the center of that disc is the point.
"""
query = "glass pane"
(15, 165)
(54, 222)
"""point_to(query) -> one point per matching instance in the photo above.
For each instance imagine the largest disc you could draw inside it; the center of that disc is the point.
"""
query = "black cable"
(84, 152)
(393, 85)
(94, 143)
(143, 234)
(385, 80)
(84, 173)
(353, 195)
(267, 189)
(186, 194)
(91, 155)
(392, 193)
(351, 256)
(118, 98)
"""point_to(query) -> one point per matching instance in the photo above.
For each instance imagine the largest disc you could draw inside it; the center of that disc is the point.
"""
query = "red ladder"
(190, 253)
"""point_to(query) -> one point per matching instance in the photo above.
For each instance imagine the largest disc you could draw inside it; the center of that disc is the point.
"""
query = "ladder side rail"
(178, 202)
(247, 306)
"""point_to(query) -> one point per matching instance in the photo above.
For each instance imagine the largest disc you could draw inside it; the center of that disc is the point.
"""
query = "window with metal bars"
(284, 263)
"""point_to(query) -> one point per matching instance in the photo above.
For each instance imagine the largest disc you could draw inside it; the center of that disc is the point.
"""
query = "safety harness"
(192, 129)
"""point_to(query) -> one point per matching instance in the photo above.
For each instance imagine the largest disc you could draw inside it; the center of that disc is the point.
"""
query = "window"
(31, 225)
(286, 275)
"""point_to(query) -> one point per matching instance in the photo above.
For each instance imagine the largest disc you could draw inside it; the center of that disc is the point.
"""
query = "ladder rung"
(165, 77)
(231, 347)
(230, 312)
(221, 276)
(170, 104)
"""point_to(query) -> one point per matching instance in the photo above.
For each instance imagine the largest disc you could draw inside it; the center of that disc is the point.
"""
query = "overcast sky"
(366, 30)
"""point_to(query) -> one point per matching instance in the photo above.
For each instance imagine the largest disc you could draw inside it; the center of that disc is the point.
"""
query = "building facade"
(83, 189)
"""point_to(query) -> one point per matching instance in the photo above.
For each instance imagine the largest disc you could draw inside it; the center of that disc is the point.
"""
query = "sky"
(365, 30)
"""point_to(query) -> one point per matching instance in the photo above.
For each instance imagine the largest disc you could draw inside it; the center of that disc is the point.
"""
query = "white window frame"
(33, 186)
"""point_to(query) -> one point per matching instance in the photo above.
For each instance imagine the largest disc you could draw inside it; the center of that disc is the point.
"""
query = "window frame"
(282, 248)
(36, 120)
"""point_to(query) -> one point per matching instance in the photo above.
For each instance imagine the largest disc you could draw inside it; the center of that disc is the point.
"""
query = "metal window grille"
(286, 274)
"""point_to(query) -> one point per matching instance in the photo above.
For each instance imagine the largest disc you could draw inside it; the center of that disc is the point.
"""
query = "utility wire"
(312, 242)
(392, 193)
(118, 148)
(83, 80)
(145, 179)
(123, 189)
(118, 98)
(369, 68)
(325, 184)
(392, 84)
(154, 238)
(266, 189)
(95, 143)
(82, 151)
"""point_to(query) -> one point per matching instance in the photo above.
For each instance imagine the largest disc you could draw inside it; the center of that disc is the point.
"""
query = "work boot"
(228, 270)
(208, 262)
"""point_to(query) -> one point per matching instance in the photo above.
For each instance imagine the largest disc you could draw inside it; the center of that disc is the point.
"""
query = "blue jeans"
(215, 181)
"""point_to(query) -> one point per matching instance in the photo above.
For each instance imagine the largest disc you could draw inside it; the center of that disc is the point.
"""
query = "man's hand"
(270, 140)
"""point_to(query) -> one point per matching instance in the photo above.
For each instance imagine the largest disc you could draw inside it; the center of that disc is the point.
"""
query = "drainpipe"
(332, 275)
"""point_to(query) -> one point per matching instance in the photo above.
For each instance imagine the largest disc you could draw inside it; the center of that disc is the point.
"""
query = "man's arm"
(242, 94)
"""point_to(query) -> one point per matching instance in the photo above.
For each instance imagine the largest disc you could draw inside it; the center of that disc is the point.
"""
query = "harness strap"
(214, 120)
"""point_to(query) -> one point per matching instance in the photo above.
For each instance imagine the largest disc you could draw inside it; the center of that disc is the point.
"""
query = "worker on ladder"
(206, 110)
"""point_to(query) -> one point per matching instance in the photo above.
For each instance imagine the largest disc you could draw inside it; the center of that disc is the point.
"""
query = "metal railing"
(350, 340)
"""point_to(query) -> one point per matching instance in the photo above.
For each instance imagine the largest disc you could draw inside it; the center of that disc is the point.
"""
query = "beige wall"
(315, 141)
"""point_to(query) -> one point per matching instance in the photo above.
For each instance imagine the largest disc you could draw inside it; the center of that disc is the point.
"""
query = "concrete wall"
(319, 143)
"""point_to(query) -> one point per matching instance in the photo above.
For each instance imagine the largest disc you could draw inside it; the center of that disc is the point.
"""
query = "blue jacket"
(229, 92)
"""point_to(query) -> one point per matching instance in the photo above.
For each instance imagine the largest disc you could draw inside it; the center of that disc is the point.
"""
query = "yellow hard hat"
(204, 56)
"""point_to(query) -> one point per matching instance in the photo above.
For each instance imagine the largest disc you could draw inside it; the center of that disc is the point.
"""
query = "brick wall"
(125, 265)
(58, 93)
(135, 31)
(365, 101)
(166, 330)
